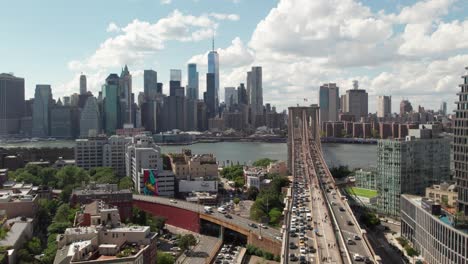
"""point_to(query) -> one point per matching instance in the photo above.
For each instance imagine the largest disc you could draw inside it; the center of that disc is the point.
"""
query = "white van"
(221, 210)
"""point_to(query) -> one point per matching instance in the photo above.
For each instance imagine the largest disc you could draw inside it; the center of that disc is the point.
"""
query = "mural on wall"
(149, 180)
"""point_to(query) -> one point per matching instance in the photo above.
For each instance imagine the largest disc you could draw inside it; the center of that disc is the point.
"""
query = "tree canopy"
(263, 162)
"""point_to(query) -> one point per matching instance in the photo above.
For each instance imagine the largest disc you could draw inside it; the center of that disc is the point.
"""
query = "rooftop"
(446, 217)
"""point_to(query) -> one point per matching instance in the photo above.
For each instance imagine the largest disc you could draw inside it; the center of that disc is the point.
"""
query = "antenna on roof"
(212, 42)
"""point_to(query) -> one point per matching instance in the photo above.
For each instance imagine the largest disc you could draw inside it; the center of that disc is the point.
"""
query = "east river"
(352, 155)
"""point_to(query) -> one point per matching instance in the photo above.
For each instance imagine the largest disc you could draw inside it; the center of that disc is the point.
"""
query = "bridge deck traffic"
(337, 234)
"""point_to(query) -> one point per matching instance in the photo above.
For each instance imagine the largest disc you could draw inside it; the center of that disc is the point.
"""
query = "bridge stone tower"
(297, 115)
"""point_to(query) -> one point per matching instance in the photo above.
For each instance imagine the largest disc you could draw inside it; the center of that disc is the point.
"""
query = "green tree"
(236, 200)
(126, 183)
(50, 251)
(252, 193)
(47, 176)
(24, 256)
(159, 222)
(71, 176)
(275, 216)
(187, 241)
(232, 172)
(103, 175)
(34, 246)
(139, 217)
(27, 177)
(263, 162)
(164, 258)
(62, 214)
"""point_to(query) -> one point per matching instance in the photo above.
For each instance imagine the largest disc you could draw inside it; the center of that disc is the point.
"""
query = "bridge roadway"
(240, 223)
(332, 217)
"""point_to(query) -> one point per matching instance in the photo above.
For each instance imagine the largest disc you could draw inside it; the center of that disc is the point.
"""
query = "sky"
(408, 49)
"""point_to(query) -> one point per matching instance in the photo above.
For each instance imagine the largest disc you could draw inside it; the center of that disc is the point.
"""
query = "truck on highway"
(208, 209)
(221, 210)
(308, 216)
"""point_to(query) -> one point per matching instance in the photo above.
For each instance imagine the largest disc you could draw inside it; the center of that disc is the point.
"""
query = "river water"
(352, 155)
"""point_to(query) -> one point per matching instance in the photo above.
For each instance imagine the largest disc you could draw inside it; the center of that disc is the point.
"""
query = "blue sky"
(42, 37)
(415, 49)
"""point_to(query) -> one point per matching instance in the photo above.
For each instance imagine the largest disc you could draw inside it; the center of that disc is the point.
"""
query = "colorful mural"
(149, 180)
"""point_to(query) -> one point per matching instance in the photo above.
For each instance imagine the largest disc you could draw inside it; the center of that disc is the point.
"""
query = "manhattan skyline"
(407, 49)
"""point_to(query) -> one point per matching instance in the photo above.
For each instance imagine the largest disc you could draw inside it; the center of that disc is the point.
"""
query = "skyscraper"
(11, 103)
(90, 119)
(112, 111)
(443, 108)
(230, 96)
(242, 96)
(384, 106)
(192, 87)
(213, 68)
(460, 146)
(41, 110)
(83, 85)
(356, 102)
(329, 102)
(150, 79)
(210, 98)
(405, 107)
(175, 88)
(255, 90)
(125, 87)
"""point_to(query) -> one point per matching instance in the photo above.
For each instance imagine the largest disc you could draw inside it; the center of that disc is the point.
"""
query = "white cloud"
(112, 27)
(139, 39)
(419, 39)
(422, 11)
(235, 55)
(166, 2)
(221, 16)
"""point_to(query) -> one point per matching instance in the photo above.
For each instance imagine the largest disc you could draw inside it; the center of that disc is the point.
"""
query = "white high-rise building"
(384, 106)
(329, 101)
(102, 152)
(142, 153)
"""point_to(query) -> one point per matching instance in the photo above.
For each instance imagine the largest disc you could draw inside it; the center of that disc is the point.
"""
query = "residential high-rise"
(90, 119)
(11, 103)
(329, 102)
(210, 97)
(230, 96)
(409, 166)
(159, 88)
(150, 83)
(431, 232)
(213, 68)
(460, 146)
(356, 102)
(142, 153)
(41, 110)
(112, 112)
(192, 87)
(83, 85)
(126, 100)
(405, 107)
(101, 151)
(384, 106)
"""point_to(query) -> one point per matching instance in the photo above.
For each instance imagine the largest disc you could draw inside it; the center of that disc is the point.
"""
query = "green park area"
(362, 192)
